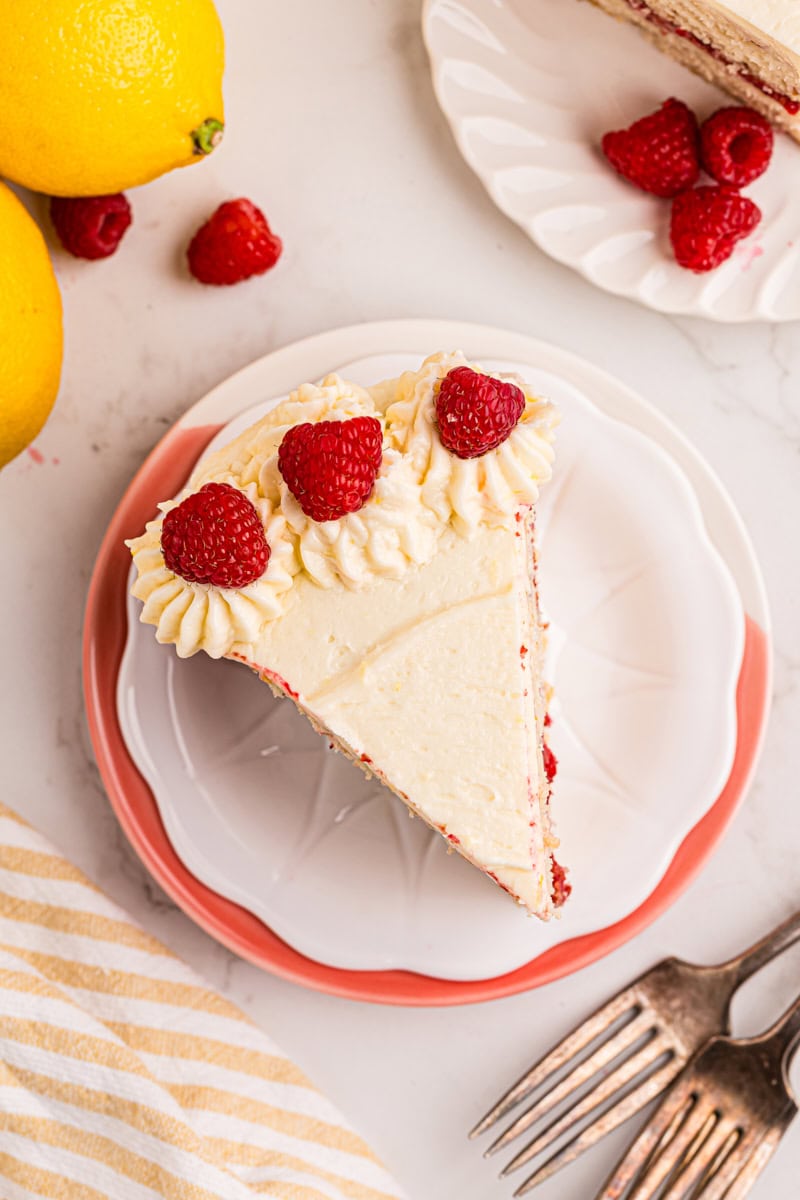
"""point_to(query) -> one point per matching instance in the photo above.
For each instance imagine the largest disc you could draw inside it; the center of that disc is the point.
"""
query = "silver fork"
(718, 1125)
(644, 1037)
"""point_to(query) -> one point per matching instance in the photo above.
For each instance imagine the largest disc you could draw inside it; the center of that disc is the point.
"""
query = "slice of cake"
(370, 553)
(749, 47)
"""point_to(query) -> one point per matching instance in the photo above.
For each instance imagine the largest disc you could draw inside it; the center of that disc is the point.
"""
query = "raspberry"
(215, 536)
(476, 413)
(330, 467)
(707, 223)
(660, 153)
(90, 226)
(736, 145)
(234, 244)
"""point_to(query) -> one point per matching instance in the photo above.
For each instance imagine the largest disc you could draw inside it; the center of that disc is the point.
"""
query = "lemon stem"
(207, 136)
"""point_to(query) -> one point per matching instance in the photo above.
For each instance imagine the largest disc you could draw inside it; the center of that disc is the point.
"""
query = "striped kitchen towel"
(122, 1077)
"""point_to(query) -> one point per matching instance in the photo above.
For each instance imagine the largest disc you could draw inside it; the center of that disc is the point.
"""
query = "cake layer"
(749, 47)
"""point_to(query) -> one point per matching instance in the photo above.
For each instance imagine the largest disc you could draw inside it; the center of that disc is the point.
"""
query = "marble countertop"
(334, 131)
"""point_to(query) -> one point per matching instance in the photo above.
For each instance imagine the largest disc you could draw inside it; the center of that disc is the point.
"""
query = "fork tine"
(571, 1045)
(606, 1052)
(736, 1174)
(621, 1112)
(669, 1165)
(703, 1160)
(606, 1087)
(651, 1142)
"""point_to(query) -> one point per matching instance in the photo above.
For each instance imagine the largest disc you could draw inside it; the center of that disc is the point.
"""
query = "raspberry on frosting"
(215, 536)
(476, 413)
(330, 467)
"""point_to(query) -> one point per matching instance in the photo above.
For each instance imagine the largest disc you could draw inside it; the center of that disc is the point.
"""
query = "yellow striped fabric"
(123, 1078)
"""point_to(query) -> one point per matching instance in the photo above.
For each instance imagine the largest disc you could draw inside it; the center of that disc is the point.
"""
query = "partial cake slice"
(407, 629)
(749, 47)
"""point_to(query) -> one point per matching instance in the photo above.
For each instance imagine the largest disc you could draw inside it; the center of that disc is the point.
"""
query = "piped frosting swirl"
(421, 489)
(477, 491)
(198, 616)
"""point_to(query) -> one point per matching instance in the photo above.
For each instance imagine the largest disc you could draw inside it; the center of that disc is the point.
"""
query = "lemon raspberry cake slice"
(749, 47)
(370, 553)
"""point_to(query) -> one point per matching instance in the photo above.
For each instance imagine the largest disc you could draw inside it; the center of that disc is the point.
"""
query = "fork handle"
(745, 965)
(784, 1034)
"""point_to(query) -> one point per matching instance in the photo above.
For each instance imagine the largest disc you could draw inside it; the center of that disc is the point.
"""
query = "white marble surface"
(334, 130)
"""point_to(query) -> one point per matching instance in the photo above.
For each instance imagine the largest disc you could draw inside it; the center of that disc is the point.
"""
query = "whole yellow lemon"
(31, 338)
(100, 95)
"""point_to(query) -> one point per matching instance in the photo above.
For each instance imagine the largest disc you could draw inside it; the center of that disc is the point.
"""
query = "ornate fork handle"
(784, 1036)
(752, 960)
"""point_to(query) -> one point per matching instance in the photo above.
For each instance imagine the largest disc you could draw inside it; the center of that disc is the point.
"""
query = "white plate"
(530, 86)
(647, 636)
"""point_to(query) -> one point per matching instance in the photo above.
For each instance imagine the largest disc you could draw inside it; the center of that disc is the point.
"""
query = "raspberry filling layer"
(561, 885)
(550, 762)
(789, 103)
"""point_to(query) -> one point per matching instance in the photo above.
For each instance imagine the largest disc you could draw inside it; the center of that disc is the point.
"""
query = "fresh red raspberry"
(215, 536)
(736, 145)
(235, 243)
(476, 413)
(660, 153)
(707, 223)
(90, 226)
(330, 467)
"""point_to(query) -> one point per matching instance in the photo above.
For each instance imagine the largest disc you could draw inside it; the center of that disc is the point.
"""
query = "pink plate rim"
(105, 631)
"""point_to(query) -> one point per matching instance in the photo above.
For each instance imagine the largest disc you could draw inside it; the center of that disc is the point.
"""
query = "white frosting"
(421, 490)
(393, 529)
(198, 616)
(421, 486)
(476, 491)
(779, 19)
(425, 678)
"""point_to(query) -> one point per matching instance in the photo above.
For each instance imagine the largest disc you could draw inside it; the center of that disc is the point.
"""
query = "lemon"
(30, 329)
(100, 95)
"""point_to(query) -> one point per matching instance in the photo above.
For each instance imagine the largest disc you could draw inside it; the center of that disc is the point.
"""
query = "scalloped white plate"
(646, 645)
(530, 86)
